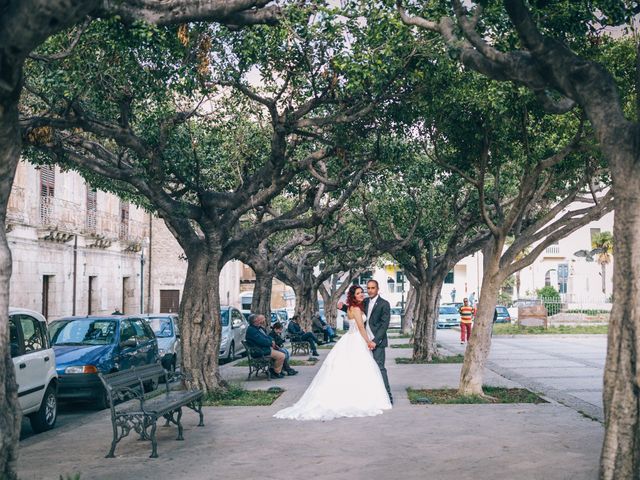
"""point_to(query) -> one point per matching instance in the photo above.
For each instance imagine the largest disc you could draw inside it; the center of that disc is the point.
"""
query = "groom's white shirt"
(372, 302)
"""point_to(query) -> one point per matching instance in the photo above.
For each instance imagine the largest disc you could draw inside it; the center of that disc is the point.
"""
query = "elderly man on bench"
(258, 340)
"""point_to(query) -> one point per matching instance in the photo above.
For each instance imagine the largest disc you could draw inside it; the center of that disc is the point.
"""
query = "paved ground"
(547, 441)
(567, 368)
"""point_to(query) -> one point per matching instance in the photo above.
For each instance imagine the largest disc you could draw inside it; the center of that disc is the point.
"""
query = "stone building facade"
(168, 269)
(78, 251)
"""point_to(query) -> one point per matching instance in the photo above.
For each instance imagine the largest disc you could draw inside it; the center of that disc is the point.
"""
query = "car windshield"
(224, 318)
(448, 310)
(396, 311)
(161, 326)
(83, 332)
(502, 310)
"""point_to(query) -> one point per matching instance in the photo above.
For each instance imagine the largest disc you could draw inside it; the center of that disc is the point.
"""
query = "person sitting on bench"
(276, 335)
(262, 344)
(295, 330)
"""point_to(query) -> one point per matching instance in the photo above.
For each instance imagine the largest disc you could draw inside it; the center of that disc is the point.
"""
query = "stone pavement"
(457, 442)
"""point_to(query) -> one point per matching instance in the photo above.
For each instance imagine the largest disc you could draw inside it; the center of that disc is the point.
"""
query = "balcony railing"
(552, 249)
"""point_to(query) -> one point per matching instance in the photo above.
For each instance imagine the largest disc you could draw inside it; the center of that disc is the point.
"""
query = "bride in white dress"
(349, 383)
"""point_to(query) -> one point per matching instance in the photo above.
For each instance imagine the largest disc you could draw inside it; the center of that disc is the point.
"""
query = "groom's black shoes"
(315, 354)
(292, 372)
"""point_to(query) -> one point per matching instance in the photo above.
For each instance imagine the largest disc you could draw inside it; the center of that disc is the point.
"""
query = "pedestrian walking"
(466, 319)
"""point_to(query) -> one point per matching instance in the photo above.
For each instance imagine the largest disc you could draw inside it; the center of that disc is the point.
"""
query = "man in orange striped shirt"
(466, 318)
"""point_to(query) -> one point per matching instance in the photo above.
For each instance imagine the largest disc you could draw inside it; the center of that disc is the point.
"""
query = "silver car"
(165, 326)
(448, 316)
(234, 328)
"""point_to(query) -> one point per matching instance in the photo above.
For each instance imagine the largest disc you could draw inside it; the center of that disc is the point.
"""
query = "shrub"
(551, 299)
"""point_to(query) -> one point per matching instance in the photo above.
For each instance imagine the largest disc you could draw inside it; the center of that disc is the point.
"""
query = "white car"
(395, 320)
(35, 366)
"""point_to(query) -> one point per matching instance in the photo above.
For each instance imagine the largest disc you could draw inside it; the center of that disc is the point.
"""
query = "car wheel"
(231, 356)
(102, 401)
(45, 418)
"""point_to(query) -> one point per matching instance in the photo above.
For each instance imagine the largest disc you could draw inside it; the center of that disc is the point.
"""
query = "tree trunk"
(261, 301)
(332, 297)
(603, 273)
(330, 306)
(518, 284)
(200, 321)
(409, 312)
(424, 346)
(475, 357)
(305, 304)
(621, 449)
(10, 412)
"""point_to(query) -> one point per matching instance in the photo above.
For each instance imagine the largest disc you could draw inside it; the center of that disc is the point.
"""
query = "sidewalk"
(432, 442)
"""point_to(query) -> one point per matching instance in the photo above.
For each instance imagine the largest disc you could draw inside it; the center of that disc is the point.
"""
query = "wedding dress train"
(348, 384)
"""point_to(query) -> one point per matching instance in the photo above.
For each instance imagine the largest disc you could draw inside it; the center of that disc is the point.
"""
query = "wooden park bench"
(140, 413)
(257, 363)
(299, 346)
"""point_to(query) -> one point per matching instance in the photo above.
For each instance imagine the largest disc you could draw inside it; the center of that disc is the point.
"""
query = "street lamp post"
(145, 242)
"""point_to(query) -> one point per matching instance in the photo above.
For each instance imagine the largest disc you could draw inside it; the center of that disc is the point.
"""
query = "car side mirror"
(236, 323)
(177, 335)
(129, 343)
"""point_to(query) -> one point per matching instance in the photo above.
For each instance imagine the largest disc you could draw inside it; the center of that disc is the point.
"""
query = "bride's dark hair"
(351, 297)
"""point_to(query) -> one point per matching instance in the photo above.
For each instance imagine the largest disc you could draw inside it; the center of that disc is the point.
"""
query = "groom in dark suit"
(378, 312)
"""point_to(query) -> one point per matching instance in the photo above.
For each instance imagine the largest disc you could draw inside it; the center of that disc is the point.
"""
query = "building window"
(363, 278)
(124, 220)
(549, 278)
(170, 301)
(563, 277)
(92, 209)
(400, 282)
(91, 294)
(47, 192)
(449, 277)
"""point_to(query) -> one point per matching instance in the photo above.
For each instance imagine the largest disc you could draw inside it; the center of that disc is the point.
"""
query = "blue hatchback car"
(85, 346)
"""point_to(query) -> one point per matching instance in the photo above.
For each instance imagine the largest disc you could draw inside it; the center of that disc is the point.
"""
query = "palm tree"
(603, 243)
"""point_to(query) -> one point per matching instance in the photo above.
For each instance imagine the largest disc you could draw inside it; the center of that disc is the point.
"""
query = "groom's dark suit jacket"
(379, 321)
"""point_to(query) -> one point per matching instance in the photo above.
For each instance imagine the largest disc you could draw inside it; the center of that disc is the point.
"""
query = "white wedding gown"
(349, 384)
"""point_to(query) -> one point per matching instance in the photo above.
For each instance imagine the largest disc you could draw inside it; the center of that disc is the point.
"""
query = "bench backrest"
(250, 355)
(133, 375)
(120, 386)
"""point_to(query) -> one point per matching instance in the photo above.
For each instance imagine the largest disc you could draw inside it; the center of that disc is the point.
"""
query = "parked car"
(35, 364)
(501, 315)
(234, 328)
(165, 328)
(283, 316)
(396, 317)
(85, 346)
(456, 305)
(448, 316)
